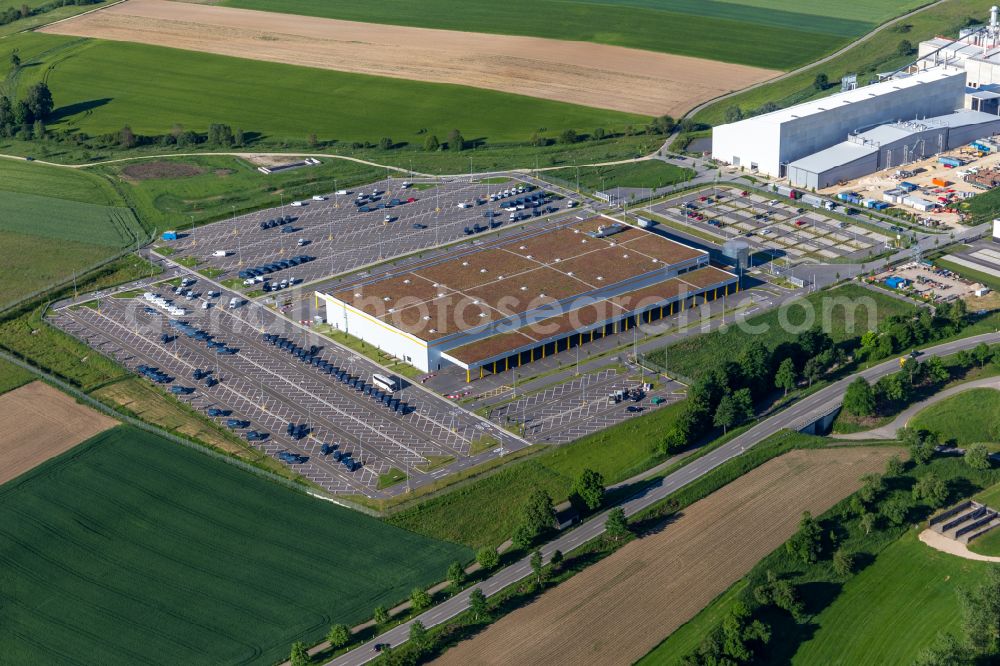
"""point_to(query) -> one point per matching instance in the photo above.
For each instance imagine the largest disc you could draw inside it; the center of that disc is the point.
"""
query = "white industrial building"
(769, 142)
(948, 97)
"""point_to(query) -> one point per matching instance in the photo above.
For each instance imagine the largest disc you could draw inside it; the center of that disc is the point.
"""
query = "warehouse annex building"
(501, 305)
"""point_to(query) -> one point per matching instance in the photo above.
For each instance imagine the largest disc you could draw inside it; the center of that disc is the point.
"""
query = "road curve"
(796, 416)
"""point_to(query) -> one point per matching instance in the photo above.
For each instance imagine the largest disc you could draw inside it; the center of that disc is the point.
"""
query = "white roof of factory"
(862, 94)
(832, 157)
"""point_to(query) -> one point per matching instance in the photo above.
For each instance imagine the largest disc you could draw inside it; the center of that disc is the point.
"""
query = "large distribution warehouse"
(499, 306)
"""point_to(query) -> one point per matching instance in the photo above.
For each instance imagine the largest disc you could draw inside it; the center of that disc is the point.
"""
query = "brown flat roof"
(439, 298)
(587, 316)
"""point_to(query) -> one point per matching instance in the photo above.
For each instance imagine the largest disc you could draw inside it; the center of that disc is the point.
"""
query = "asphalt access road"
(802, 413)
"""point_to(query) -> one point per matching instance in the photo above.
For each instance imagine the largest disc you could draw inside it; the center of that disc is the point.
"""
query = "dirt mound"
(596, 75)
(160, 169)
(617, 610)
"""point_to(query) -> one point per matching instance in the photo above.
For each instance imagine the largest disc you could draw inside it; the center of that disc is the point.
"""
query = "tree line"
(12, 13)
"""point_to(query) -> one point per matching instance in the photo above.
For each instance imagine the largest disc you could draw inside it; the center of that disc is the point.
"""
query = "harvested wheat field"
(595, 75)
(39, 423)
(617, 610)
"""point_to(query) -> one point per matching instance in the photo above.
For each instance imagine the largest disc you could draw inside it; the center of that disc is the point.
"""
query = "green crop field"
(893, 609)
(12, 376)
(967, 417)
(878, 54)
(843, 312)
(130, 549)
(54, 222)
(484, 512)
(778, 34)
(100, 86)
(644, 174)
(168, 193)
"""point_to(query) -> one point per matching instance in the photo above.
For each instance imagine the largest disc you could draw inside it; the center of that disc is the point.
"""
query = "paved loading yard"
(580, 406)
(270, 388)
(771, 224)
(338, 235)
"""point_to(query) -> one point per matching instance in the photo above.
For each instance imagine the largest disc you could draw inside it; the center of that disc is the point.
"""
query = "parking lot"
(725, 213)
(271, 388)
(339, 236)
(580, 406)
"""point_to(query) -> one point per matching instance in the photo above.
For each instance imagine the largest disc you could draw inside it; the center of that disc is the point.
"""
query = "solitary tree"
(127, 137)
(15, 60)
(477, 604)
(904, 48)
(725, 413)
(978, 456)
(616, 526)
(893, 466)
(339, 635)
(859, 399)
(537, 518)
(455, 140)
(982, 353)
(588, 491)
(821, 82)
(299, 656)
(39, 99)
(537, 567)
(381, 615)
(807, 543)
(431, 143)
(843, 562)
(867, 521)
(419, 599)
(785, 377)
(568, 136)
(871, 486)
(733, 114)
(456, 574)
(487, 557)
(418, 634)
(556, 560)
(385, 143)
(931, 489)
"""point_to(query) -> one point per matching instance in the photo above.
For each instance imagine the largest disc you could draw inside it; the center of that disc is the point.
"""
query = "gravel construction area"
(617, 610)
(41, 422)
(595, 75)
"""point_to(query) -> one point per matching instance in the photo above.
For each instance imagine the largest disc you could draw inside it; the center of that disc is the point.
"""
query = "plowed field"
(40, 422)
(596, 75)
(617, 610)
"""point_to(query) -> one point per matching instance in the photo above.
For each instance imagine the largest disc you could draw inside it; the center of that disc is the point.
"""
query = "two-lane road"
(796, 416)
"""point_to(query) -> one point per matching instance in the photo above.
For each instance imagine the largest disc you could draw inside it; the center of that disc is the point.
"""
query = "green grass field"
(878, 54)
(893, 609)
(100, 86)
(843, 312)
(130, 549)
(485, 511)
(169, 193)
(11, 376)
(648, 173)
(776, 34)
(54, 222)
(967, 417)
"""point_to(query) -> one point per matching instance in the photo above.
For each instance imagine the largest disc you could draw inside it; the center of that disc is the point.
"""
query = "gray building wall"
(813, 180)
(804, 136)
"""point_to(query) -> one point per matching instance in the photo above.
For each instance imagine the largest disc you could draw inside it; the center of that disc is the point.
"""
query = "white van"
(220, 253)
(319, 197)
(343, 192)
(233, 302)
(296, 203)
